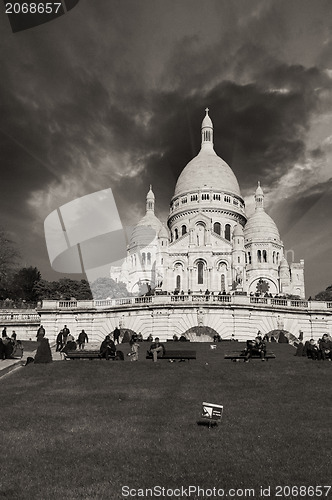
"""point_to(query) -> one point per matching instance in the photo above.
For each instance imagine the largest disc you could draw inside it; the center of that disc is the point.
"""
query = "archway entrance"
(197, 332)
(282, 336)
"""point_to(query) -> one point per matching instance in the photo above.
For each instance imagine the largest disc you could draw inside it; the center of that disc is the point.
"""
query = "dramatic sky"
(112, 94)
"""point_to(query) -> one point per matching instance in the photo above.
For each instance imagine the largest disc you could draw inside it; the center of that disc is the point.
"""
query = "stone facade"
(209, 243)
(194, 316)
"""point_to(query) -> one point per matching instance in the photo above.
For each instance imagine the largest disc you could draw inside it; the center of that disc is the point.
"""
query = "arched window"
(178, 282)
(238, 260)
(143, 259)
(149, 258)
(217, 228)
(200, 273)
(264, 256)
(228, 232)
(277, 258)
(223, 283)
(273, 257)
(176, 233)
(183, 230)
(249, 257)
(259, 256)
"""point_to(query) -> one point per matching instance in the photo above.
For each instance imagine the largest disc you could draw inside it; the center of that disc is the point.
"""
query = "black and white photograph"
(165, 249)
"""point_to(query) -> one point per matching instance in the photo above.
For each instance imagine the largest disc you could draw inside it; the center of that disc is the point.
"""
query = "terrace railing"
(18, 317)
(221, 300)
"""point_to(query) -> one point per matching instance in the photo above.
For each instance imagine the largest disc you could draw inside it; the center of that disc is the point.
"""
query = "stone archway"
(196, 333)
(282, 336)
(126, 334)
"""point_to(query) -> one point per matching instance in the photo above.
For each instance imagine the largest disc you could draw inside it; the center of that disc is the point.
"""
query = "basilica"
(209, 243)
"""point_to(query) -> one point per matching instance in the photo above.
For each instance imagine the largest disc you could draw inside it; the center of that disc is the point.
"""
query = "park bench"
(181, 355)
(82, 354)
(238, 355)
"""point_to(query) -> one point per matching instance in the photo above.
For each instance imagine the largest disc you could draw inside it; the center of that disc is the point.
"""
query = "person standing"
(59, 341)
(40, 333)
(82, 338)
(116, 335)
(65, 333)
(134, 347)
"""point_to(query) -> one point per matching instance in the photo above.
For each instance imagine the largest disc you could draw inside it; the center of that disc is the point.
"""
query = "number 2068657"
(302, 491)
(33, 8)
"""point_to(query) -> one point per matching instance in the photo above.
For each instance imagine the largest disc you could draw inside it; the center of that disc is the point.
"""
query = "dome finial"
(207, 130)
(259, 196)
(150, 200)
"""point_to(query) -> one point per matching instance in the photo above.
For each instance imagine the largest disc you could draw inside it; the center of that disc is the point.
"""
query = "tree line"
(25, 284)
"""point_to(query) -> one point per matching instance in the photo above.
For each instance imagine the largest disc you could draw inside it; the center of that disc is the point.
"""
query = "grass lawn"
(84, 429)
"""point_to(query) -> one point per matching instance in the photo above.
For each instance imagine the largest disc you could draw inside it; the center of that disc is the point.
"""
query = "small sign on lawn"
(212, 412)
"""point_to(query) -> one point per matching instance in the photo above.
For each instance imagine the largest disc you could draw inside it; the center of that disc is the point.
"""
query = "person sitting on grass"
(325, 346)
(107, 349)
(256, 346)
(313, 351)
(156, 347)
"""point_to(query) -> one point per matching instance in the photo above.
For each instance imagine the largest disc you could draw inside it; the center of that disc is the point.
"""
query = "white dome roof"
(261, 226)
(146, 230)
(207, 170)
(238, 230)
(163, 233)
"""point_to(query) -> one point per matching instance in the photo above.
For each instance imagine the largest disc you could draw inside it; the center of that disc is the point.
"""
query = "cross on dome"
(207, 130)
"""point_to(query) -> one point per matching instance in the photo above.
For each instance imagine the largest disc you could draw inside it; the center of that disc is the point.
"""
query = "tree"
(64, 289)
(103, 288)
(325, 295)
(8, 259)
(8, 255)
(262, 286)
(23, 284)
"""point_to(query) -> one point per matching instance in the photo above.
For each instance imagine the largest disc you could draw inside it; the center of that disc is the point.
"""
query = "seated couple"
(255, 347)
(322, 350)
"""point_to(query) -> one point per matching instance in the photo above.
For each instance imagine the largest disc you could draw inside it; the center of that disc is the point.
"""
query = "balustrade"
(170, 299)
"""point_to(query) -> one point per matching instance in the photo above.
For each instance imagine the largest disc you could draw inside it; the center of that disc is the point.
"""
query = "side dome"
(148, 227)
(163, 233)
(145, 231)
(261, 226)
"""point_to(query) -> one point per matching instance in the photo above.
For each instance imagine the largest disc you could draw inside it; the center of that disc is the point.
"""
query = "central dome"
(207, 170)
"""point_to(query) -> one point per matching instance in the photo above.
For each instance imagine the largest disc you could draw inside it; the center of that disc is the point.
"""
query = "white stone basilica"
(209, 243)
